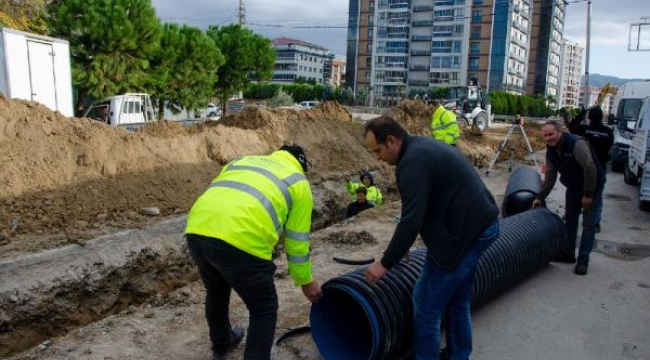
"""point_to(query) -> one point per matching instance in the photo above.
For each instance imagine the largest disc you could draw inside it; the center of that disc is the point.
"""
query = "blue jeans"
(224, 268)
(438, 291)
(598, 204)
(573, 209)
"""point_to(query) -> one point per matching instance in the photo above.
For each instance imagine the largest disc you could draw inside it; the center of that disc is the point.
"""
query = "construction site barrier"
(356, 320)
(523, 186)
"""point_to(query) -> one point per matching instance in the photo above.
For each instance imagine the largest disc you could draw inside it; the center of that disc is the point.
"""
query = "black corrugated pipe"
(356, 320)
(523, 186)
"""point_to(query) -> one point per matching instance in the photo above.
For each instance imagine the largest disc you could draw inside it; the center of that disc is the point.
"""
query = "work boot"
(581, 268)
(237, 336)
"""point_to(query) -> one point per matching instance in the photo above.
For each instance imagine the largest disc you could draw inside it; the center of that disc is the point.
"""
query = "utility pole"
(587, 54)
(242, 13)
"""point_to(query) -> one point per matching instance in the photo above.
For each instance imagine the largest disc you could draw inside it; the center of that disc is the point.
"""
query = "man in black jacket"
(445, 201)
(584, 178)
(601, 139)
(360, 204)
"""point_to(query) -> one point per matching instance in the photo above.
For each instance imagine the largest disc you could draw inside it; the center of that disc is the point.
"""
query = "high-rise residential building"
(396, 47)
(509, 47)
(570, 74)
(300, 59)
(546, 49)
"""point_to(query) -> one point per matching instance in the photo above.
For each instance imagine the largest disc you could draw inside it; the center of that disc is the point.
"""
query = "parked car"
(308, 104)
(212, 110)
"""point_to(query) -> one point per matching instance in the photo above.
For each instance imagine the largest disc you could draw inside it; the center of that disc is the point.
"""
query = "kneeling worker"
(231, 232)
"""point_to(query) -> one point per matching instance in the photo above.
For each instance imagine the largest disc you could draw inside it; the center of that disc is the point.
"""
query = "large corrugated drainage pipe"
(523, 186)
(356, 320)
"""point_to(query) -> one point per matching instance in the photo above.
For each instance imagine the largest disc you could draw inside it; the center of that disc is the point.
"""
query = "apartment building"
(570, 74)
(338, 73)
(544, 62)
(396, 47)
(300, 59)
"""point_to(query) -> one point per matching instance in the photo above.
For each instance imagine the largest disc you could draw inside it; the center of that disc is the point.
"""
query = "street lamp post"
(587, 54)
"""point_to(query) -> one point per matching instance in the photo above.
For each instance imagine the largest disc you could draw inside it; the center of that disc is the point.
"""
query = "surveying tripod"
(502, 146)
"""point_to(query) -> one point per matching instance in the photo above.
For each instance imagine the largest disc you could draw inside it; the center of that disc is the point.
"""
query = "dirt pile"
(66, 179)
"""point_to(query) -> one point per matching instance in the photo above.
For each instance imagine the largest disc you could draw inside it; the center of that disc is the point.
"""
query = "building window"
(368, 61)
(369, 47)
(476, 32)
(478, 2)
(473, 63)
(477, 15)
(371, 20)
(370, 34)
(475, 47)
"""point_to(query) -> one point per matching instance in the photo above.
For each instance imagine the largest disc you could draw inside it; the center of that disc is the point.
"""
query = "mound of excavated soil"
(65, 179)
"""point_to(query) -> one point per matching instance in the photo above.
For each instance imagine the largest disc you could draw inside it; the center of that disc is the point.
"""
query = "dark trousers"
(573, 209)
(223, 267)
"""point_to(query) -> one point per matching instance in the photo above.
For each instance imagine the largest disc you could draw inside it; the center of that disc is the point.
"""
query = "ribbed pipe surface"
(523, 186)
(356, 320)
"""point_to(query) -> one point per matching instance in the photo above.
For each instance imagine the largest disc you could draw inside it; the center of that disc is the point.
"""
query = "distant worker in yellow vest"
(444, 126)
(373, 195)
(231, 233)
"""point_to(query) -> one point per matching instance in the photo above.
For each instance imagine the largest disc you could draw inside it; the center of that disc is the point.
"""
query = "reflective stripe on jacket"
(444, 126)
(252, 203)
(373, 196)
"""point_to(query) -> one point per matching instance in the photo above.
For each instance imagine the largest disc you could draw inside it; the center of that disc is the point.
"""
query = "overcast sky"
(325, 22)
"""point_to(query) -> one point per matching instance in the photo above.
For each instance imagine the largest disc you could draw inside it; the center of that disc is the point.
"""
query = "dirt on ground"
(68, 180)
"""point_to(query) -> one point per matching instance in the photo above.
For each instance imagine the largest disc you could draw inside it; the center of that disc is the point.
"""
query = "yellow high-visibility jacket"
(373, 196)
(444, 126)
(253, 201)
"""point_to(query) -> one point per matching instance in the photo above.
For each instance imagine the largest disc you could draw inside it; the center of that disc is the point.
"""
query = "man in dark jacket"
(601, 139)
(584, 178)
(360, 204)
(445, 201)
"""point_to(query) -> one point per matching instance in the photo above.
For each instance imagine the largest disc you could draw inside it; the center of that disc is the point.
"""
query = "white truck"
(623, 117)
(35, 67)
(637, 169)
(129, 111)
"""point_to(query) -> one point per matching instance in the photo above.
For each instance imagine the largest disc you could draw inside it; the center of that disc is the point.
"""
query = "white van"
(128, 110)
(637, 169)
(625, 112)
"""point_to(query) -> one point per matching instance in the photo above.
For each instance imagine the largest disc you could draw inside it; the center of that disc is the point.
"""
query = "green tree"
(281, 99)
(111, 43)
(246, 55)
(184, 67)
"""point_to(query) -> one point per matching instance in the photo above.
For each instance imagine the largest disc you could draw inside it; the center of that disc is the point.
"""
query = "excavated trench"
(50, 293)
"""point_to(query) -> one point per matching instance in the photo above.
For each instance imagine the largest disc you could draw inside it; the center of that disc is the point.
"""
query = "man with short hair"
(444, 201)
(231, 232)
(601, 139)
(444, 126)
(360, 204)
(584, 178)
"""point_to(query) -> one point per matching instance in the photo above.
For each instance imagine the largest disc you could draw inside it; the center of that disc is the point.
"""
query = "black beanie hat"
(299, 154)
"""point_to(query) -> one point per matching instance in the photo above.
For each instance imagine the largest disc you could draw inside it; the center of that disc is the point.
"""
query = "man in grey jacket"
(446, 203)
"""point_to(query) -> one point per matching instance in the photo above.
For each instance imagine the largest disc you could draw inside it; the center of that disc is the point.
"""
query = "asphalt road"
(557, 315)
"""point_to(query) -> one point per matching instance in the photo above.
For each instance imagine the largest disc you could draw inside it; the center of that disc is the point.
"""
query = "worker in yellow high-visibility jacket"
(444, 126)
(373, 196)
(231, 232)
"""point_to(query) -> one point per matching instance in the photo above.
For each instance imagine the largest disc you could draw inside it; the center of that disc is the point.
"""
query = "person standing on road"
(366, 180)
(231, 233)
(584, 178)
(601, 139)
(444, 126)
(447, 204)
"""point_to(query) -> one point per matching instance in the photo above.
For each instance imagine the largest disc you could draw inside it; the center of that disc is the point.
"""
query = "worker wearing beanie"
(231, 233)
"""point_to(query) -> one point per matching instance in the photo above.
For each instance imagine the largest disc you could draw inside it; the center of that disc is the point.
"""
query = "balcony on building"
(422, 23)
(418, 82)
(420, 53)
(426, 38)
(422, 8)
(419, 68)
(519, 26)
